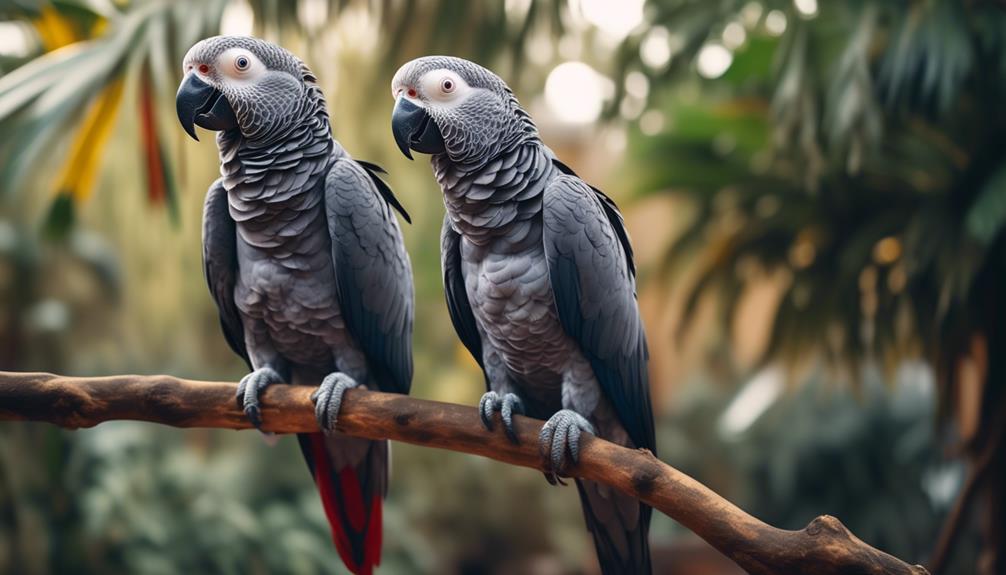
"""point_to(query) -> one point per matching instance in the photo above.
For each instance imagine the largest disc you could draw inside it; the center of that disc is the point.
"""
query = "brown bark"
(824, 547)
(981, 464)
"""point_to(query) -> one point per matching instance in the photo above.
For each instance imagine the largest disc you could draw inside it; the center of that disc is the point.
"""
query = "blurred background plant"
(815, 192)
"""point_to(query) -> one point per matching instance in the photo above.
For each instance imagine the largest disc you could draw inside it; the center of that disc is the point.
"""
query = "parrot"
(540, 283)
(305, 261)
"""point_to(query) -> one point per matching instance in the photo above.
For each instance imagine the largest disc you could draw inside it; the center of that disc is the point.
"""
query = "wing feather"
(454, 289)
(594, 286)
(375, 171)
(220, 264)
(373, 273)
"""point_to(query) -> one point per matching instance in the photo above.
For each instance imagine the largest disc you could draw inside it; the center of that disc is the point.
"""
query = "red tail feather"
(353, 498)
(345, 509)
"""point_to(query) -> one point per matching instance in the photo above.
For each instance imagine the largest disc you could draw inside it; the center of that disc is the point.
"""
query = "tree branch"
(976, 477)
(824, 547)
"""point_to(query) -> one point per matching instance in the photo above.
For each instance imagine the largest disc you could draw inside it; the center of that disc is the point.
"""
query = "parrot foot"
(328, 398)
(249, 389)
(507, 404)
(561, 433)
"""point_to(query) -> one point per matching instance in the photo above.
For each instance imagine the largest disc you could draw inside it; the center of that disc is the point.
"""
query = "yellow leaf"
(53, 29)
(81, 170)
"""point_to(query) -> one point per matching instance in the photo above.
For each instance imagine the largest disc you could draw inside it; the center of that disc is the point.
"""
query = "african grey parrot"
(305, 261)
(539, 280)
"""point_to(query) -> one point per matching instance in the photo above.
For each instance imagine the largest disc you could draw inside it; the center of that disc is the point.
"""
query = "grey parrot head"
(240, 82)
(453, 106)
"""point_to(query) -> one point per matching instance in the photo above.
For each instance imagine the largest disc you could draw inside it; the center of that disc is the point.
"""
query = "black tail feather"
(620, 526)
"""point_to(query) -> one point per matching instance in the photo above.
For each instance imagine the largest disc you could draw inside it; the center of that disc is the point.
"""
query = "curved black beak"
(199, 104)
(414, 129)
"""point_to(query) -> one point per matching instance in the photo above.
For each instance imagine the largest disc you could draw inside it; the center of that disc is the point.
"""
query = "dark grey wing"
(220, 264)
(372, 273)
(375, 171)
(610, 210)
(454, 289)
(595, 297)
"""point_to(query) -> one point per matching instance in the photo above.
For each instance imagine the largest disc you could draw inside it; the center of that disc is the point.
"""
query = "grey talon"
(511, 405)
(558, 445)
(561, 434)
(574, 445)
(249, 389)
(328, 398)
(507, 404)
(253, 415)
(487, 405)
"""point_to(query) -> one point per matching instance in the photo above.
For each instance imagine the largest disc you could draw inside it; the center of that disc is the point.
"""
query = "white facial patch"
(187, 64)
(239, 65)
(444, 87)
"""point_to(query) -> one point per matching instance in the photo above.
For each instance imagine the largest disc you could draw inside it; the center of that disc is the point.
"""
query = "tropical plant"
(857, 160)
(870, 455)
(77, 85)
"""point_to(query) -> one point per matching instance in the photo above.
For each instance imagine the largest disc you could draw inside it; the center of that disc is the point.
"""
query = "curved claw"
(328, 398)
(559, 435)
(507, 404)
(249, 389)
(511, 405)
(487, 405)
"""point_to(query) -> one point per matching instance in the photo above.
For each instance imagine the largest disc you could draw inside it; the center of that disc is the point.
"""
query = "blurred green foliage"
(857, 162)
(859, 155)
(870, 457)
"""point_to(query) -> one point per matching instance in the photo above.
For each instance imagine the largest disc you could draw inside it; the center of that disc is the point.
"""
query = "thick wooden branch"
(824, 547)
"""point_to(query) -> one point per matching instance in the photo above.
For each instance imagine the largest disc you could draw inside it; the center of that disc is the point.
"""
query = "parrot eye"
(412, 92)
(444, 86)
(239, 64)
(204, 69)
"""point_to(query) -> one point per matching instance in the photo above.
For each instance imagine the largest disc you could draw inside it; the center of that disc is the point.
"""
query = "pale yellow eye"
(242, 63)
(447, 85)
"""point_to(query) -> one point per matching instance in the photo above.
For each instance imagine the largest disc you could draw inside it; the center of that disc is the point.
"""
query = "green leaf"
(987, 215)
(60, 218)
(26, 83)
(930, 55)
